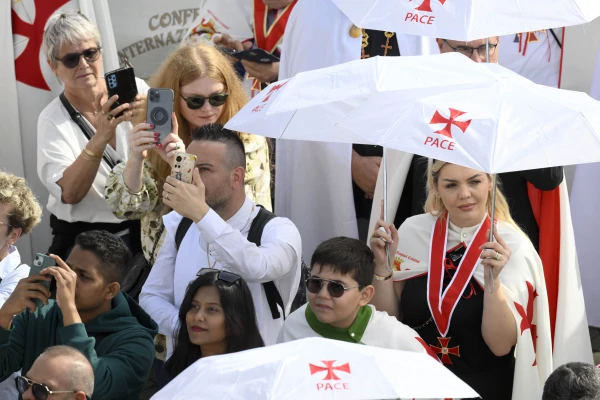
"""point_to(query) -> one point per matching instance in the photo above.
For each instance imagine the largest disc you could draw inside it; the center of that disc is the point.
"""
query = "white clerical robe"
(522, 280)
(382, 331)
(313, 180)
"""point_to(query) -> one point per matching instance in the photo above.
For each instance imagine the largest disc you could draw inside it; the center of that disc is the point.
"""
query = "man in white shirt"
(222, 215)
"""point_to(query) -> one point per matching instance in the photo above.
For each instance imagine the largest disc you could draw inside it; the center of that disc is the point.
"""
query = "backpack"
(254, 236)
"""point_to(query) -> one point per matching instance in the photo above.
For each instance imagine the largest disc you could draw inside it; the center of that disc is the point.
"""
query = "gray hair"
(573, 381)
(67, 27)
(81, 373)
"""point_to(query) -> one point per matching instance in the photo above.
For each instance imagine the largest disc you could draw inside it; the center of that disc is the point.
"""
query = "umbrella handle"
(387, 245)
(491, 236)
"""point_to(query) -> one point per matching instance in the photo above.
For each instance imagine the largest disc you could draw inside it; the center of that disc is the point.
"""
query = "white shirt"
(277, 259)
(60, 141)
(11, 272)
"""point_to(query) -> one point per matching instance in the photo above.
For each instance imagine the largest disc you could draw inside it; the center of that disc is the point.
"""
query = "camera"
(38, 261)
(160, 109)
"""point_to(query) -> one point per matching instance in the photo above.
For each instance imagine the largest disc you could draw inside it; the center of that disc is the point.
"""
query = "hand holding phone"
(121, 82)
(40, 262)
(183, 167)
(260, 56)
(160, 111)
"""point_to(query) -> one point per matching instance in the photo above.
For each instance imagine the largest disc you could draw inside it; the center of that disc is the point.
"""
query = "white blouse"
(60, 141)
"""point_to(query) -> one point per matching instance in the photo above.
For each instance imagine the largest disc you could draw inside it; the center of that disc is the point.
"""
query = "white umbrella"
(444, 106)
(316, 368)
(467, 19)
(481, 116)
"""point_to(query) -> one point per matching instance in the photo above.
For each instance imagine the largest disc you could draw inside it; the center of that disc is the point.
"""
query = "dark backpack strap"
(254, 235)
(76, 117)
(182, 229)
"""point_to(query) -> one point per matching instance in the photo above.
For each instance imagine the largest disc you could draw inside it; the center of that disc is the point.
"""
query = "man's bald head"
(63, 368)
(448, 46)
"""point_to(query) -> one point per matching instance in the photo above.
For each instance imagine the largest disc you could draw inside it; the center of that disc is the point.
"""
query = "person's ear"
(80, 396)
(366, 295)
(237, 176)
(112, 289)
(15, 234)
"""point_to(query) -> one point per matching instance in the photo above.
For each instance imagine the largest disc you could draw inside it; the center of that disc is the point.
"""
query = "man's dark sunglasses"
(71, 60)
(196, 102)
(39, 390)
(334, 288)
(225, 276)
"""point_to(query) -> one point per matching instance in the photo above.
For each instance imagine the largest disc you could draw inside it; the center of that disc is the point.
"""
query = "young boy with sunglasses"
(339, 291)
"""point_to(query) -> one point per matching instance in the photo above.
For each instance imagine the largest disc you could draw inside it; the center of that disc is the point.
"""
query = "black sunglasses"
(71, 60)
(225, 276)
(334, 288)
(39, 390)
(196, 102)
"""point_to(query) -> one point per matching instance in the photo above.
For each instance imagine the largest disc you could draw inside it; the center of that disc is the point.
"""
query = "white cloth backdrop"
(586, 218)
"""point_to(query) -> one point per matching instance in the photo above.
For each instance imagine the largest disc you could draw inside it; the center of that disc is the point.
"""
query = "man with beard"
(221, 232)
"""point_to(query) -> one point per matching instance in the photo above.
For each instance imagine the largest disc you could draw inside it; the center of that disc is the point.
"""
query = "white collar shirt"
(11, 272)
(277, 259)
(60, 142)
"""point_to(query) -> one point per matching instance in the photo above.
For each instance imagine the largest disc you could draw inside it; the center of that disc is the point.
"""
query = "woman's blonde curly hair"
(26, 211)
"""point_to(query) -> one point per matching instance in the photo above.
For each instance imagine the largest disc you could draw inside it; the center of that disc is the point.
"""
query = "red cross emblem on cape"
(527, 316)
(27, 66)
(447, 130)
(426, 5)
(445, 350)
(331, 376)
(442, 303)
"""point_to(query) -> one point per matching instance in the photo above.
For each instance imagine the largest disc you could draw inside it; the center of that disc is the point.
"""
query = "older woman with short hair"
(74, 159)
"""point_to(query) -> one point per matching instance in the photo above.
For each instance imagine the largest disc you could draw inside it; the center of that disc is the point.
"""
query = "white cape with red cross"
(523, 283)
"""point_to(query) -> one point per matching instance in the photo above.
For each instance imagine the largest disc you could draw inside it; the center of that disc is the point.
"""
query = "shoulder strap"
(254, 235)
(182, 229)
(76, 117)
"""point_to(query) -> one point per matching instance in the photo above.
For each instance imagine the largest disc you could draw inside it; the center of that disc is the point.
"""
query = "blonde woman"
(20, 212)
(441, 285)
(207, 90)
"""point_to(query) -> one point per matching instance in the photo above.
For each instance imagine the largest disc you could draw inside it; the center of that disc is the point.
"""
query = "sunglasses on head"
(334, 288)
(39, 390)
(225, 276)
(196, 102)
(71, 60)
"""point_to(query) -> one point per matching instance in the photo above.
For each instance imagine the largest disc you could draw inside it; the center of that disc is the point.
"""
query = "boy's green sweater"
(118, 343)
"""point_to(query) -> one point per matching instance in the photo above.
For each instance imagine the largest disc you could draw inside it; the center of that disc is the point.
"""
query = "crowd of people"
(223, 270)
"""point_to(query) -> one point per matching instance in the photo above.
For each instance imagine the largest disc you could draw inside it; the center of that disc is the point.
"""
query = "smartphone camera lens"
(178, 158)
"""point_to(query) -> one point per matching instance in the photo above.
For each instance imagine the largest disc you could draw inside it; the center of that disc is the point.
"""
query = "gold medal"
(355, 32)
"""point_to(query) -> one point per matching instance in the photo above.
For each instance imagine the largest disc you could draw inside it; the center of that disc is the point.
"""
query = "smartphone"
(40, 262)
(160, 109)
(121, 82)
(183, 167)
(256, 55)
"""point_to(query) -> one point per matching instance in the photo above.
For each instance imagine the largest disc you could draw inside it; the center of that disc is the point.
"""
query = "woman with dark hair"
(216, 317)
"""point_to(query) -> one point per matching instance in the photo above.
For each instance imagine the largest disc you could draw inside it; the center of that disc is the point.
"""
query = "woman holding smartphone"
(207, 90)
(76, 154)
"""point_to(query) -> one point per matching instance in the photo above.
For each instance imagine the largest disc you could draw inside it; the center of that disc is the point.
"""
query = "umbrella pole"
(385, 205)
(491, 237)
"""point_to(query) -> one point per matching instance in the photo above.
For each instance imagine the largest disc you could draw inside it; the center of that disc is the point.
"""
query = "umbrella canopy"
(316, 368)
(467, 19)
(481, 116)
